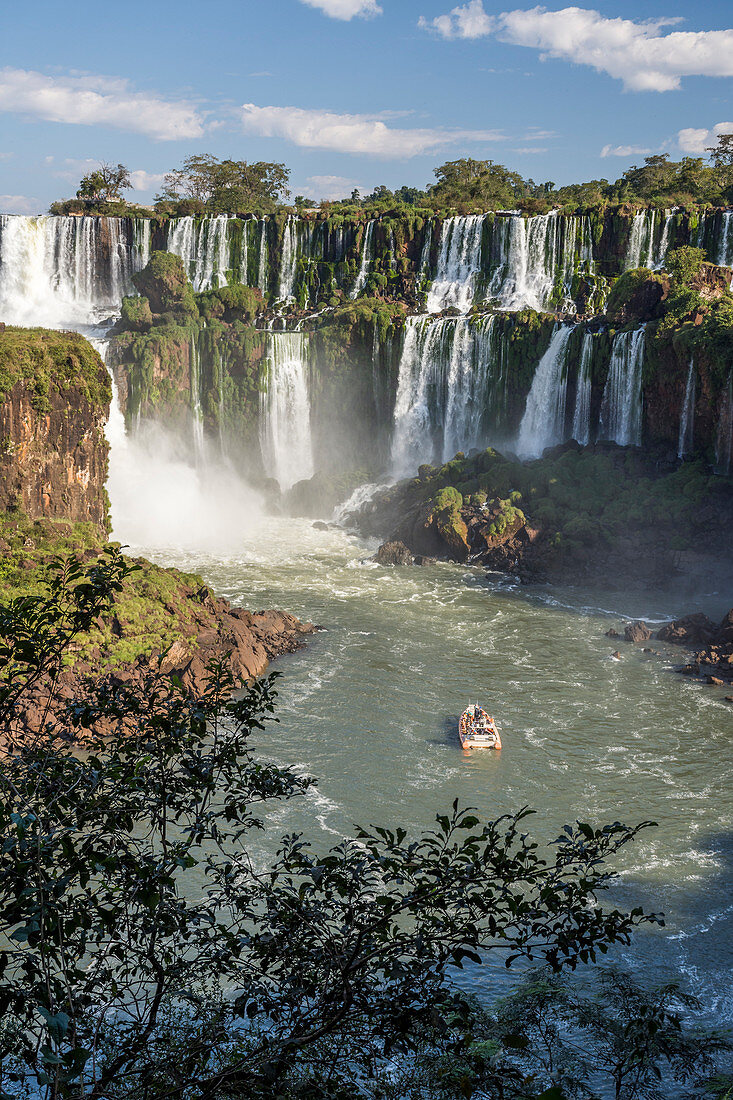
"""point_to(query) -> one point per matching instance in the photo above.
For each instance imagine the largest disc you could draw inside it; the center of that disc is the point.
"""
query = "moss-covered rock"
(164, 283)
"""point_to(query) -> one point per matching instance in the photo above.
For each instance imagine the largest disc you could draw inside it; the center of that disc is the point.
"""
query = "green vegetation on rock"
(46, 360)
(154, 608)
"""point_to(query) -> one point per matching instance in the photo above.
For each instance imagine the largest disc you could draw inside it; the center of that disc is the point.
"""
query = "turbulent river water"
(370, 707)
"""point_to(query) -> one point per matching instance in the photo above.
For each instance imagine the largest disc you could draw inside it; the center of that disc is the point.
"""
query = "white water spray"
(581, 413)
(621, 407)
(285, 420)
(366, 258)
(687, 421)
(543, 423)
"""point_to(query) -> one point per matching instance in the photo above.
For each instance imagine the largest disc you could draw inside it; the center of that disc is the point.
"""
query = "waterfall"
(641, 240)
(663, 248)
(725, 248)
(724, 441)
(244, 253)
(62, 271)
(459, 262)
(203, 245)
(197, 414)
(531, 256)
(285, 428)
(543, 423)
(687, 421)
(445, 390)
(141, 242)
(366, 257)
(289, 264)
(621, 406)
(424, 267)
(262, 257)
(581, 414)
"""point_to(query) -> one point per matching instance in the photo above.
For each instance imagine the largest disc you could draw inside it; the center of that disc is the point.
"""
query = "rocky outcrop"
(212, 631)
(54, 402)
(690, 631)
(393, 553)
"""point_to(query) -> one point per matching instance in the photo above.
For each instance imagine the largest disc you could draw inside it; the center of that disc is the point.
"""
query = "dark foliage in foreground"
(151, 947)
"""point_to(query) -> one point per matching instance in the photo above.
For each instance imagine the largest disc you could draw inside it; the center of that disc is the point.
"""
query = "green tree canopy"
(227, 186)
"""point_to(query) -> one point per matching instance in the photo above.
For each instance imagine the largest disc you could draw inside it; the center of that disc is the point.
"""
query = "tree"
(614, 1036)
(145, 949)
(721, 158)
(228, 186)
(105, 184)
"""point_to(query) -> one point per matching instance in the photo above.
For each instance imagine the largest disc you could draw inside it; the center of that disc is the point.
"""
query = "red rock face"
(53, 464)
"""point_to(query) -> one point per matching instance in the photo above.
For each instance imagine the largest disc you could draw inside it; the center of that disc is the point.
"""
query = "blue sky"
(353, 93)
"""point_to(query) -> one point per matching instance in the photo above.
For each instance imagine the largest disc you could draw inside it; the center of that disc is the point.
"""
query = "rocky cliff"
(54, 402)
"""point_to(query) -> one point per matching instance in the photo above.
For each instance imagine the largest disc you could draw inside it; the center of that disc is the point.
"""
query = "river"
(370, 708)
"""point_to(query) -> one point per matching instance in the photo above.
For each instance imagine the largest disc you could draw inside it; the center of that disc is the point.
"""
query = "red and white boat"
(477, 729)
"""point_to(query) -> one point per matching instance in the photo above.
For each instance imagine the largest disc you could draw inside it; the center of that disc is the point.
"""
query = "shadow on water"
(695, 945)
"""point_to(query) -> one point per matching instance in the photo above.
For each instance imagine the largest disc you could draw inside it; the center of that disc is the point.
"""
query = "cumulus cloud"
(345, 9)
(18, 204)
(369, 134)
(625, 151)
(695, 142)
(469, 21)
(146, 181)
(330, 188)
(639, 54)
(97, 101)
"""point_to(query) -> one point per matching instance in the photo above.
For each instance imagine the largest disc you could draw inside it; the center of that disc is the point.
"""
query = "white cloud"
(695, 142)
(470, 21)
(330, 188)
(18, 204)
(636, 53)
(625, 151)
(345, 9)
(97, 101)
(531, 149)
(369, 134)
(146, 181)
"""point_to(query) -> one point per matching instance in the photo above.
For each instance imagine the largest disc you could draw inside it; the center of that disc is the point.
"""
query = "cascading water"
(366, 258)
(262, 257)
(204, 248)
(63, 271)
(289, 263)
(621, 406)
(531, 255)
(663, 247)
(445, 391)
(543, 423)
(285, 428)
(687, 420)
(459, 263)
(197, 415)
(725, 248)
(581, 413)
(642, 250)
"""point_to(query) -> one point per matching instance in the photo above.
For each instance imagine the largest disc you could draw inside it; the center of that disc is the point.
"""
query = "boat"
(477, 729)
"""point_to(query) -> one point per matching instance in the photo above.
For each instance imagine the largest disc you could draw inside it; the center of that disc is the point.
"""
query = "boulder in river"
(393, 553)
(692, 630)
(637, 632)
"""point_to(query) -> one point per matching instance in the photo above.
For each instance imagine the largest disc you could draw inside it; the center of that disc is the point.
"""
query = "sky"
(354, 93)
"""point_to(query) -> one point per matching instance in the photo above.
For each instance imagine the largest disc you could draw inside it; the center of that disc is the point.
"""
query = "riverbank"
(163, 620)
